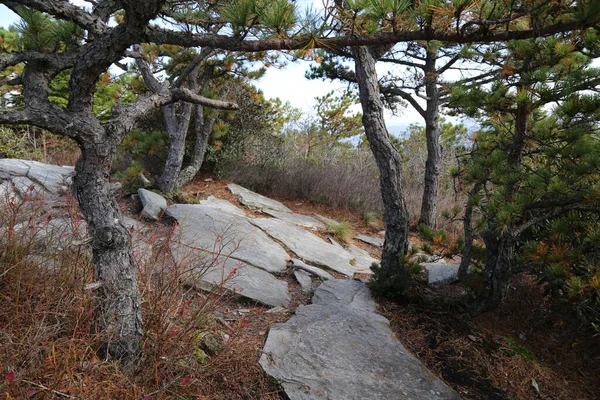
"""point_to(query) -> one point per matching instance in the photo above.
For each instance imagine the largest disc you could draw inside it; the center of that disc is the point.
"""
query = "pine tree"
(531, 166)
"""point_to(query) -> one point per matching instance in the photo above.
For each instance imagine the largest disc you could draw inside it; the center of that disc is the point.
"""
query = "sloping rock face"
(33, 178)
(339, 348)
(210, 227)
(235, 276)
(256, 201)
(307, 246)
(373, 241)
(298, 219)
(153, 204)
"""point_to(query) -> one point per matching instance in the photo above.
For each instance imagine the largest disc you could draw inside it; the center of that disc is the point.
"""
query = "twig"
(61, 394)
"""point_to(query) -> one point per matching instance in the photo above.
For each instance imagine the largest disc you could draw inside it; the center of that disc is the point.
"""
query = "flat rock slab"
(340, 348)
(316, 271)
(298, 219)
(304, 280)
(441, 273)
(256, 201)
(211, 228)
(235, 276)
(153, 204)
(310, 248)
(363, 260)
(373, 241)
(326, 221)
(52, 178)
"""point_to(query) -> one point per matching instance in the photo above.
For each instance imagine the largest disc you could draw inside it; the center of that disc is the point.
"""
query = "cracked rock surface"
(340, 348)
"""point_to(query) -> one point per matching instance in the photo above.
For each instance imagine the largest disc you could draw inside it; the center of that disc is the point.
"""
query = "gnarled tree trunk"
(119, 313)
(388, 161)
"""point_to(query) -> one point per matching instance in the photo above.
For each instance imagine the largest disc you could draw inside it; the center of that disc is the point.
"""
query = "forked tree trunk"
(177, 128)
(434, 151)
(119, 315)
(203, 126)
(388, 161)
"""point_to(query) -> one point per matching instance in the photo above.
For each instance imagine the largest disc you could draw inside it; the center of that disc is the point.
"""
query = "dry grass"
(48, 339)
(503, 354)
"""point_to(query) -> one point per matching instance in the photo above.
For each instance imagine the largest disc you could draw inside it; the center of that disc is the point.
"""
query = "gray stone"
(28, 188)
(54, 178)
(7, 193)
(304, 280)
(340, 348)
(377, 242)
(326, 221)
(310, 248)
(441, 273)
(210, 228)
(316, 271)
(363, 259)
(10, 167)
(153, 204)
(235, 276)
(224, 205)
(254, 200)
(298, 219)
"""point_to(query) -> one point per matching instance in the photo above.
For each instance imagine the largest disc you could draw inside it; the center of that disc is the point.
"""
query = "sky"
(289, 84)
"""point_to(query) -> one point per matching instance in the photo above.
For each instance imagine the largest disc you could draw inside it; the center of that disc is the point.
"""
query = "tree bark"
(177, 131)
(497, 273)
(388, 161)
(203, 126)
(119, 314)
(432, 134)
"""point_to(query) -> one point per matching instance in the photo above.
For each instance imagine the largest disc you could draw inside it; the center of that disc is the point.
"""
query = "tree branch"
(64, 10)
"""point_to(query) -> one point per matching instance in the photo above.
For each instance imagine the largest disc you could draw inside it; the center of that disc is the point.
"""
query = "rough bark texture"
(500, 241)
(119, 317)
(203, 126)
(432, 134)
(177, 127)
(388, 161)
(498, 270)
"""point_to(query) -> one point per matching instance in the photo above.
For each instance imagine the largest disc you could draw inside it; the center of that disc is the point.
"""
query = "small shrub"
(393, 286)
(371, 218)
(425, 232)
(342, 231)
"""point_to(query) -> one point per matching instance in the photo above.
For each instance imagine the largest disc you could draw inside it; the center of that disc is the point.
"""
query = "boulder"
(304, 280)
(214, 228)
(254, 200)
(340, 348)
(441, 273)
(307, 246)
(153, 204)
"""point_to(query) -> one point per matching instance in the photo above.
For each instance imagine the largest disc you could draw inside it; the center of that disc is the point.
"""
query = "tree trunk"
(497, 273)
(119, 315)
(177, 130)
(388, 161)
(432, 134)
(203, 127)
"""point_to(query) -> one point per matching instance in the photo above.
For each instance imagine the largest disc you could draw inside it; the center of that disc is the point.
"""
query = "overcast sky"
(289, 84)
